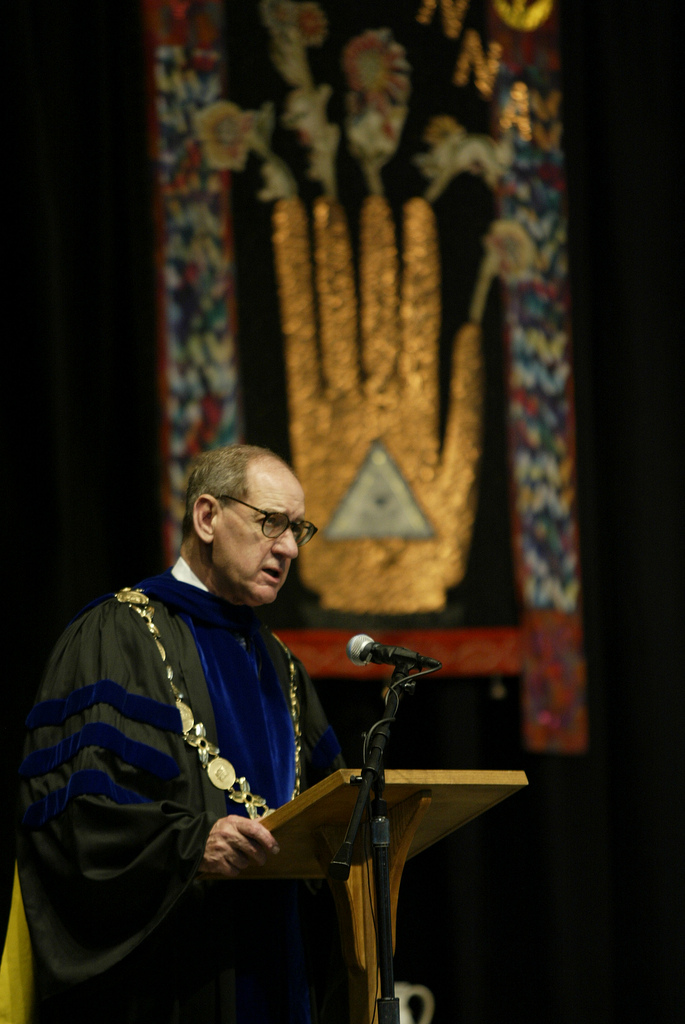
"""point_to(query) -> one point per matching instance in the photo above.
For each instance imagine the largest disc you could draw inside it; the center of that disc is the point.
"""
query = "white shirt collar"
(182, 571)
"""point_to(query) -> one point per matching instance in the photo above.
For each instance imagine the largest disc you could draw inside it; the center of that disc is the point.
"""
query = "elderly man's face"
(247, 567)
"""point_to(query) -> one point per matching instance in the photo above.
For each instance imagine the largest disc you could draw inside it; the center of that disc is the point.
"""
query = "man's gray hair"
(222, 471)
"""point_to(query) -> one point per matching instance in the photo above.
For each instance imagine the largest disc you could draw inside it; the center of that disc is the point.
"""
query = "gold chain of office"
(219, 769)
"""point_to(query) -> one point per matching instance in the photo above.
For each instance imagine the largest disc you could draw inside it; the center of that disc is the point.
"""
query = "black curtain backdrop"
(565, 904)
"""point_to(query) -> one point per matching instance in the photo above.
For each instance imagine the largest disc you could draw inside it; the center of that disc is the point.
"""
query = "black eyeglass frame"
(302, 531)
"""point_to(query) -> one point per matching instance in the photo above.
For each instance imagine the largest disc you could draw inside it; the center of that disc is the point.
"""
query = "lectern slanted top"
(456, 797)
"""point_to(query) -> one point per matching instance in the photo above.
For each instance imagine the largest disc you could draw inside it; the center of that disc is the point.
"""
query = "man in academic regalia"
(168, 720)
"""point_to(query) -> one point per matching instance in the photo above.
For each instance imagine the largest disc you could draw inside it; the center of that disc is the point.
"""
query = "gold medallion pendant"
(221, 772)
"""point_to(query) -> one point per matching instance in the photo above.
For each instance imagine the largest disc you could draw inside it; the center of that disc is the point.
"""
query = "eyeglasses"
(276, 523)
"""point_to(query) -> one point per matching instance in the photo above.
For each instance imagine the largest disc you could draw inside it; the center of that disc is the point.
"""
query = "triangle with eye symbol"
(379, 504)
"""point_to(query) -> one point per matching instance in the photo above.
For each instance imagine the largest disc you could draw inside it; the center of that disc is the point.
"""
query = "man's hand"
(234, 844)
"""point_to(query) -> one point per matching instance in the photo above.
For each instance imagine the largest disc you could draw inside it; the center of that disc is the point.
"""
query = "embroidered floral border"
(197, 358)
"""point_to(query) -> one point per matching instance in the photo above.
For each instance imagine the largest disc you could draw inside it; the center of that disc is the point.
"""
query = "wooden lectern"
(423, 806)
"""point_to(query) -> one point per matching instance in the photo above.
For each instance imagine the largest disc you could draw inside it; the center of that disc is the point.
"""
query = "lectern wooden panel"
(423, 807)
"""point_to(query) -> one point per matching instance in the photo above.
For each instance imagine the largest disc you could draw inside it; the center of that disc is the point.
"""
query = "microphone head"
(358, 647)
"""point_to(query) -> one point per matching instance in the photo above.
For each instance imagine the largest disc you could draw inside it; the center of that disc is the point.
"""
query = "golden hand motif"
(364, 371)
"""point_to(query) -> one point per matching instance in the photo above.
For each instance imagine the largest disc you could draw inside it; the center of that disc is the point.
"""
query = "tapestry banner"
(362, 265)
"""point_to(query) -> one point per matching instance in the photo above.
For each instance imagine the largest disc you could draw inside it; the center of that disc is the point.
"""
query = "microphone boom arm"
(371, 776)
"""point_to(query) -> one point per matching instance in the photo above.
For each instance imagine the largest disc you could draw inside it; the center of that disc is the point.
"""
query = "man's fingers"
(245, 850)
(234, 843)
(253, 832)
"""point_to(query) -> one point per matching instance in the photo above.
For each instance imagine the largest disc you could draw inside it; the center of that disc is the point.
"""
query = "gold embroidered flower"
(225, 130)
(376, 70)
(378, 78)
(512, 247)
(312, 24)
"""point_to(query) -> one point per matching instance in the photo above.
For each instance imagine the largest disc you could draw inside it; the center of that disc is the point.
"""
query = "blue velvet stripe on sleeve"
(80, 784)
(326, 749)
(100, 734)
(106, 691)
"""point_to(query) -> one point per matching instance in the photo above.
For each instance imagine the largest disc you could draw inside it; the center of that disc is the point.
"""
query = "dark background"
(564, 904)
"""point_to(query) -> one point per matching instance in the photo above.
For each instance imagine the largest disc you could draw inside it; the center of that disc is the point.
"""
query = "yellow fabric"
(17, 998)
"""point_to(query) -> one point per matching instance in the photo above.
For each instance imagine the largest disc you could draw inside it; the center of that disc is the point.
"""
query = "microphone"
(362, 649)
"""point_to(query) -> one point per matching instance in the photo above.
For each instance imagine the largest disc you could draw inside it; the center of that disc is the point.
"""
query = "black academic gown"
(115, 829)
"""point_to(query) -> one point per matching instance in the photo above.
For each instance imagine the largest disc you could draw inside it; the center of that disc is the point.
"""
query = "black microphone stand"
(373, 777)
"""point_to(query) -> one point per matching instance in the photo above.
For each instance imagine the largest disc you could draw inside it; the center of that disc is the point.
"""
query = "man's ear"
(205, 510)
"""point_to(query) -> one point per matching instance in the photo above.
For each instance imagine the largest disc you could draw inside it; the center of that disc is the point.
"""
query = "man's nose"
(285, 544)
